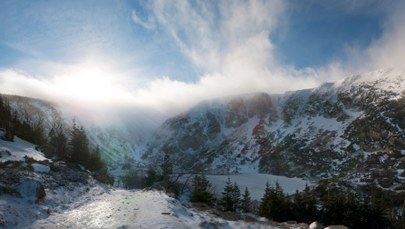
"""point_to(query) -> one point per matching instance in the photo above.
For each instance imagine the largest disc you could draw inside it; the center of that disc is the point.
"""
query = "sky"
(166, 56)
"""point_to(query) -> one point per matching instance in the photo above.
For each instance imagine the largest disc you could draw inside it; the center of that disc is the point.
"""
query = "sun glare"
(88, 84)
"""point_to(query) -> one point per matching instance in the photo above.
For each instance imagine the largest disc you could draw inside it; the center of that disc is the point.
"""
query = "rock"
(40, 168)
(2, 221)
(336, 227)
(31, 190)
(316, 225)
(123, 227)
(213, 225)
(4, 153)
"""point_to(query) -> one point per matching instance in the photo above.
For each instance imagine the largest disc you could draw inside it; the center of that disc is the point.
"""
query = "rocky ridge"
(352, 129)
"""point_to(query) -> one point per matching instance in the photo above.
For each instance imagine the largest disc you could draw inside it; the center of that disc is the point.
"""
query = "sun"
(88, 83)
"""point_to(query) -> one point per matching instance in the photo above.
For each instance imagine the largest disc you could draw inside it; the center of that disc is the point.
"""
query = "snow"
(17, 150)
(256, 183)
(28, 190)
(136, 209)
(40, 168)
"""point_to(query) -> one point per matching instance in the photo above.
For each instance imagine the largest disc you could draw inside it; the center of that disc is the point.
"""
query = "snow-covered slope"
(18, 150)
(119, 136)
(329, 131)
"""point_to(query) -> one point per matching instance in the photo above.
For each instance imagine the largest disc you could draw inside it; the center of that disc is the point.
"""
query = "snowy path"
(135, 209)
(118, 209)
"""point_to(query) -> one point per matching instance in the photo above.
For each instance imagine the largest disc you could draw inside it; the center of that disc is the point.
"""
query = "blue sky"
(314, 34)
(169, 55)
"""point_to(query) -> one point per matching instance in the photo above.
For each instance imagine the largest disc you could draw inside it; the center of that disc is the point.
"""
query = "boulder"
(316, 225)
(31, 190)
(336, 227)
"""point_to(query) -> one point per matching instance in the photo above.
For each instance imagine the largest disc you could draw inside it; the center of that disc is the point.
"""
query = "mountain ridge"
(318, 133)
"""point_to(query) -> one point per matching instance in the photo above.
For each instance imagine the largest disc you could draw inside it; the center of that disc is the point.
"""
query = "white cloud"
(389, 50)
(229, 42)
(147, 24)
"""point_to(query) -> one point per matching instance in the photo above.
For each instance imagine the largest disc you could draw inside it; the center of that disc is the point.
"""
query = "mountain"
(354, 128)
(117, 139)
(351, 129)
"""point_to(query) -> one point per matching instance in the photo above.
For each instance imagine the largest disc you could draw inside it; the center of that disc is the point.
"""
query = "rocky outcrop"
(316, 225)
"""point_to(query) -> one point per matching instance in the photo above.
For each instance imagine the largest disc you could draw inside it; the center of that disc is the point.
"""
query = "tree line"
(28, 129)
(325, 203)
(329, 206)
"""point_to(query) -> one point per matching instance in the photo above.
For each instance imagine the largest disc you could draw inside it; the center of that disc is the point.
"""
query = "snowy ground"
(137, 209)
(17, 150)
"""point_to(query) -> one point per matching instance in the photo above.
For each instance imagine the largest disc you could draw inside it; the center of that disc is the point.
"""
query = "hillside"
(353, 128)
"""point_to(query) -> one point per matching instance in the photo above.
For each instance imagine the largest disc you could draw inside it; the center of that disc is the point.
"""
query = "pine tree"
(305, 204)
(310, 203)
(61, 144)
(246, 201)
(50, 148)
(78, 145)
(274, 204)
(226, 202)
(95, 162)
(265, 207)
(56, 144)
(280, 207)
(166, 166)
(201, 190)
(236, 196)
(151, 177)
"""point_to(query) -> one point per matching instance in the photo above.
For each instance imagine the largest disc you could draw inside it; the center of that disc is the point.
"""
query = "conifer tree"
(166, 166)
(95, 162)
(236, 196)
(280, 207)
(266, 202)
(246, 201)
(56, 145)
(78, 145)
(227, 200)
(201, 190)
(151, 177)
(305, 204)
(274, 204)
